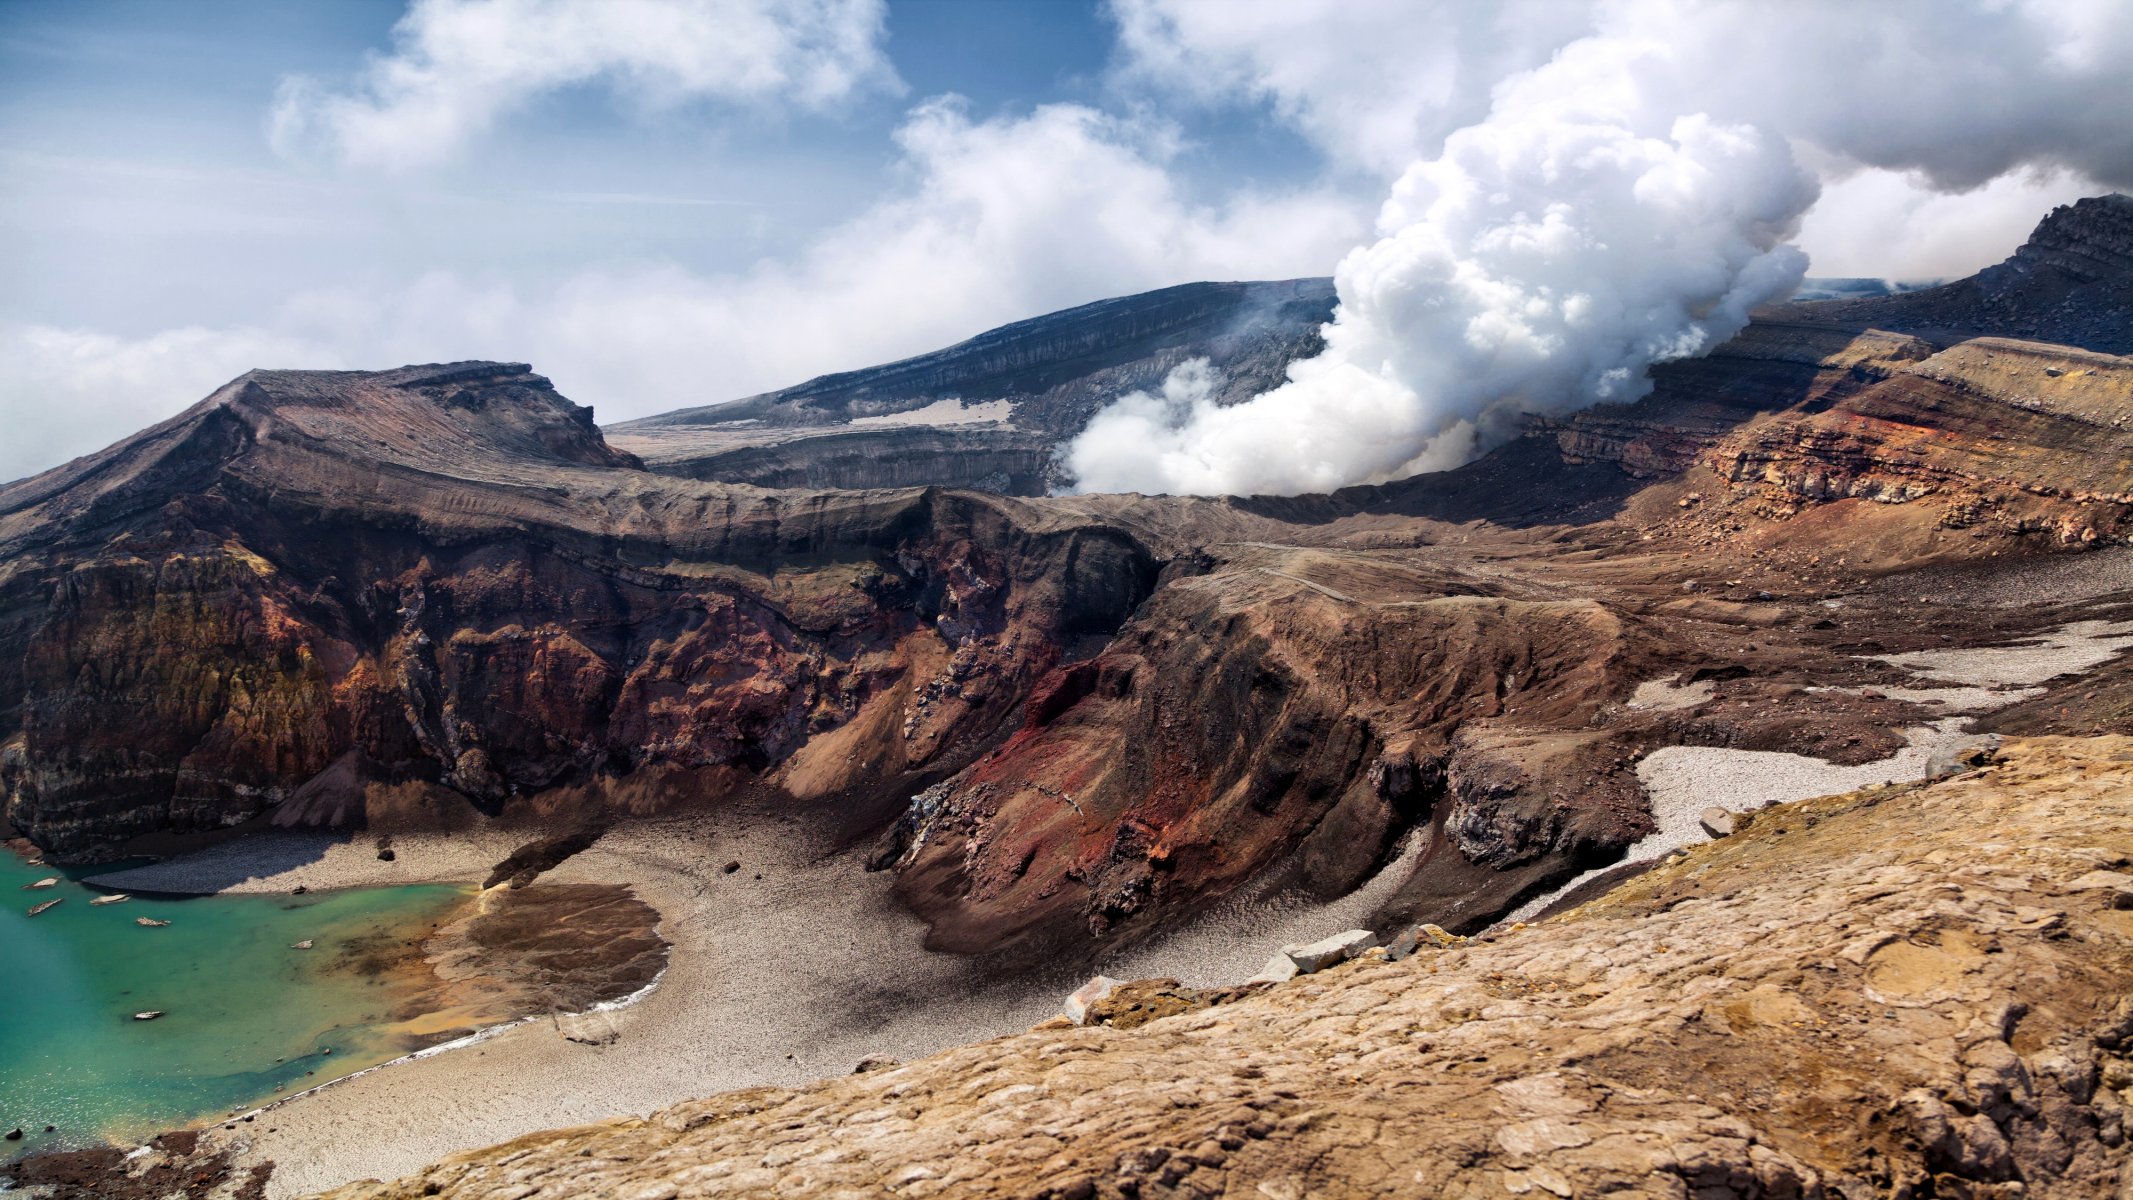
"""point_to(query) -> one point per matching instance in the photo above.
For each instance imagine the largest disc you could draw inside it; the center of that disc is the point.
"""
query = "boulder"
(1962, 755)
(1077, 1005)
(1326, 952)
(1716, 821)
(1131, 1005)
(1406, 942)
(1278, 969)
(590, 1028)
(876, 1062)
(1421, 937)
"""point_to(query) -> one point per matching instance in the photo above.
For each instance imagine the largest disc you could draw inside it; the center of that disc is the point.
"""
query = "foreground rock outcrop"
(1909, 991)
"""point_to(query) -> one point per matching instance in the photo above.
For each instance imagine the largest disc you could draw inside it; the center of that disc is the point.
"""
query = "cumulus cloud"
(1375, 83)
(994, 220)
(1623, 203)
(1960, 90)
(1892, 225)
(460, 65)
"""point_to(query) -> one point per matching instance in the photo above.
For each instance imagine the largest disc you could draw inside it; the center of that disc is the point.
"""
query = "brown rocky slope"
(1913, 991)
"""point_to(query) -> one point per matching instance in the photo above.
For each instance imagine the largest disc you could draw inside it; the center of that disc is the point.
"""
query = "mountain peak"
(2089, 240)
(2071, 284)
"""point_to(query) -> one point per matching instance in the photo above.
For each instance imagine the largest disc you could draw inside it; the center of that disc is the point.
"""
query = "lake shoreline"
(791, 968)
(251, 993)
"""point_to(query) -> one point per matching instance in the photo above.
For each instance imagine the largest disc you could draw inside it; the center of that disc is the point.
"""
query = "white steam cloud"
(1541, 263)
(1625, 203)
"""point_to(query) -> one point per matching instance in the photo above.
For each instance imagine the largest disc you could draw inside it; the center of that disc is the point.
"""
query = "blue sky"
(110, 104)
(671, 202)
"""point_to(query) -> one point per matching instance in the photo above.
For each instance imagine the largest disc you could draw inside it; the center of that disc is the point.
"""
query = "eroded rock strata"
(1908, 991)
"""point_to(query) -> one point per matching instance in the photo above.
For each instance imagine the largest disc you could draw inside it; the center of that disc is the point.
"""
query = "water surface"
(247, 1017)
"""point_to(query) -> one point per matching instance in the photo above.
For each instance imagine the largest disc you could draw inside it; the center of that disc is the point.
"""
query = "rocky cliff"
(420, 595)
(993, 457)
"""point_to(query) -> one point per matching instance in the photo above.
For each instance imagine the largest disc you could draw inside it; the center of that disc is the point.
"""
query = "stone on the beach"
(593, 1028)
(1077, 1005)
(1326, 952)
(731, 867)
(876, 1062)
(1716, 821)
(15, 1134)
(1435, 935)
(303, 945)
(1278, 969)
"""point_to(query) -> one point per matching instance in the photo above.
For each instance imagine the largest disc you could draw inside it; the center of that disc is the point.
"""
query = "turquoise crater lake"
(247, 1018)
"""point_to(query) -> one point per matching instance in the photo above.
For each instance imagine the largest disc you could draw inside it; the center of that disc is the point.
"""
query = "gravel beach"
(793, 968)
(801, 963)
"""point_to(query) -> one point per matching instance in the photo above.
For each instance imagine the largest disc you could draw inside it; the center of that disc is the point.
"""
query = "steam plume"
(1626, 203)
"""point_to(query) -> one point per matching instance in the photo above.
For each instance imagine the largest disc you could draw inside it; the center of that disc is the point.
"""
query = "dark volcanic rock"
(1053, 372)
(1060, 368)
(2071, 283)
(1002, 459)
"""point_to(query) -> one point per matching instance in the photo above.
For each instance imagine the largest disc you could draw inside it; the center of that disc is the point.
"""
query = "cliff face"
(1286, 706)
(1001, 459)
(443, 585)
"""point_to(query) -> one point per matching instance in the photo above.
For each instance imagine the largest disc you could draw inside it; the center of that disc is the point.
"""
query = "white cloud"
(460, 65)
(1961, 90)
(1890, 225)
(69, 392)
(997, 220)
(1375, 83)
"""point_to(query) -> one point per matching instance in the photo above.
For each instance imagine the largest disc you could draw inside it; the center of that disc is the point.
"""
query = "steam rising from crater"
(1623, 204)
(1540, 264)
